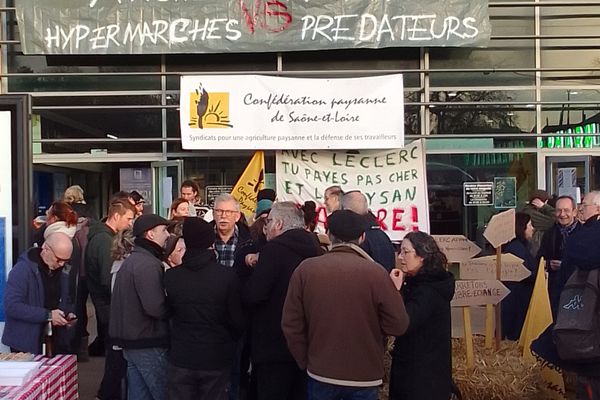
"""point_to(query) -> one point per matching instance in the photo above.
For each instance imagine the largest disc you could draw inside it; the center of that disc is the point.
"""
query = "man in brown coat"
(338, 308)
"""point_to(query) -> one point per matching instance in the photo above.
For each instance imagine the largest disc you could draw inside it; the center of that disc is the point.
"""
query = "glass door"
(568, 176)
(167, 177)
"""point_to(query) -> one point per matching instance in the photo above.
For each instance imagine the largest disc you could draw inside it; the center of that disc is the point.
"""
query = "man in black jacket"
(138, 312)
(206, 320)
(553, 244)
(277, 374)
(582, 252)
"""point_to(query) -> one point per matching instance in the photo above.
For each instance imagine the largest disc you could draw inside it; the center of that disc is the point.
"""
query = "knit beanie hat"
(198, 234)
(346, 225)
(263, 206)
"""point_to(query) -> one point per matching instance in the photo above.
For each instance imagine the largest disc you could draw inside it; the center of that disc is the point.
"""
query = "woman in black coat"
(515, 304)
(422, 357)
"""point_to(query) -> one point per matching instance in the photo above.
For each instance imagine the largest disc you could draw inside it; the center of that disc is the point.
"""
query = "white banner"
(394, 182)
(264, 112)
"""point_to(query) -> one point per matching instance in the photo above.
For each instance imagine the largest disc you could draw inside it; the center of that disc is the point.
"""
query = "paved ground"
(90, 374)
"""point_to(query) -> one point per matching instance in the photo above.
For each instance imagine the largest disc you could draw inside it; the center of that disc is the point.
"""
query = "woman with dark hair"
(514, 305)
(422, 357)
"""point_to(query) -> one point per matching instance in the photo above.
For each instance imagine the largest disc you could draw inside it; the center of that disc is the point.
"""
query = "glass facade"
(484, 112)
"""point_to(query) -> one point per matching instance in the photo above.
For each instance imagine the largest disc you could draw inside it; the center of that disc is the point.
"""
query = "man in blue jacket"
(37, 292)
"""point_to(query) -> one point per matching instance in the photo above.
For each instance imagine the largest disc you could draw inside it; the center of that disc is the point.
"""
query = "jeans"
(146, 373)
(326, 391)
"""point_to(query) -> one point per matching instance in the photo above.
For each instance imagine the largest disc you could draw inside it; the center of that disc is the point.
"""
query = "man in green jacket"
(98, 261)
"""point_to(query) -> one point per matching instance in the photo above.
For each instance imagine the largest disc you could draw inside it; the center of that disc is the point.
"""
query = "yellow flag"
(539, 317)
(539, 313)
(251, 181)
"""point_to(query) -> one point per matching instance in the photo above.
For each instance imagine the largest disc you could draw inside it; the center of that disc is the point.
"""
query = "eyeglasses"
(406, 251)
(58, 259)
(227, 213)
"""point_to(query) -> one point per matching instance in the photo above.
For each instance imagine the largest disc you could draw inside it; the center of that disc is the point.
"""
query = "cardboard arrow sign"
(478, 293)
(512, 269)
(501, 228)
(457, 247)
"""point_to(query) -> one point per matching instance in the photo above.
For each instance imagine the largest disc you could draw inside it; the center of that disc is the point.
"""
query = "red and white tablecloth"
(56, 380)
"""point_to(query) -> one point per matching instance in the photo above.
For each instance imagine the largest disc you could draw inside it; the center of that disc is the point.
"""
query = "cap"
(539, 194)
(146, 222)
(170, 245)
(346, 225)
(268, 194)
(137, 197)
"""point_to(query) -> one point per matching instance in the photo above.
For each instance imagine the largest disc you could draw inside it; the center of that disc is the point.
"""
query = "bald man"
(377, 243)
(37, 293)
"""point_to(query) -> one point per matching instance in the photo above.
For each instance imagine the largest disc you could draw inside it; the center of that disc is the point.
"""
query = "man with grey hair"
(278, 377)
(37, 294)
(229, 233)
(377, 244)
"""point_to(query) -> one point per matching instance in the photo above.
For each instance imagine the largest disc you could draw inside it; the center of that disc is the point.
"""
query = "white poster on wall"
(5, 208)
(265, 112)
(394, 182)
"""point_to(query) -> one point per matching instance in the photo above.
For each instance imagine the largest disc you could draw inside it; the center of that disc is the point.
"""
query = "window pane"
(445, 176)
(98, 123)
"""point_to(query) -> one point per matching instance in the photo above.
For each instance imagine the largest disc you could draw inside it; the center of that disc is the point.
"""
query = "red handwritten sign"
(262, 11)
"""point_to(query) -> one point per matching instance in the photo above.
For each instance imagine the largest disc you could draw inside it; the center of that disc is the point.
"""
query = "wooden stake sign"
(501, 228)
(478, 293)
(457, 247)
(512, 268)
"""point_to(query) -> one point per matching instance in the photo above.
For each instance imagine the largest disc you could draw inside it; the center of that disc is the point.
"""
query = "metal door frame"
(158, 172)
(550, 160)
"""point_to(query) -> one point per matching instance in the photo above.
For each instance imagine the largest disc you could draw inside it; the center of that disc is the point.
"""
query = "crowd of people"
(564, 234)
(210, 305)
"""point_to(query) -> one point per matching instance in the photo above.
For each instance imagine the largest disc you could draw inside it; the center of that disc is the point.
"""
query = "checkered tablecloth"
(56, 380)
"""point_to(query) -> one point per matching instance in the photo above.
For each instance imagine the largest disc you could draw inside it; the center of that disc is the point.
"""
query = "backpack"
(577, 329)
(80, 240)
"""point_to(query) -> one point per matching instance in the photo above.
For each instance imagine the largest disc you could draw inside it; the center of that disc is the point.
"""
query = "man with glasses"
(37, 292)
(230, 234)
(582, 253)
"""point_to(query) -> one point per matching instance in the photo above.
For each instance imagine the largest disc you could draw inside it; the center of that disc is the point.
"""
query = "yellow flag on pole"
(539, 313)
(539, 317)
(250, 183)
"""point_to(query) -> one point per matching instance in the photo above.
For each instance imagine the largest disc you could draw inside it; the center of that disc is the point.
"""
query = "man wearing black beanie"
(206, 321)
(338, 309)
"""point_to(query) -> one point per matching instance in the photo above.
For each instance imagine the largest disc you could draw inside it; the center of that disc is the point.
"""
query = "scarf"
(152, 247)
(565, 231)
